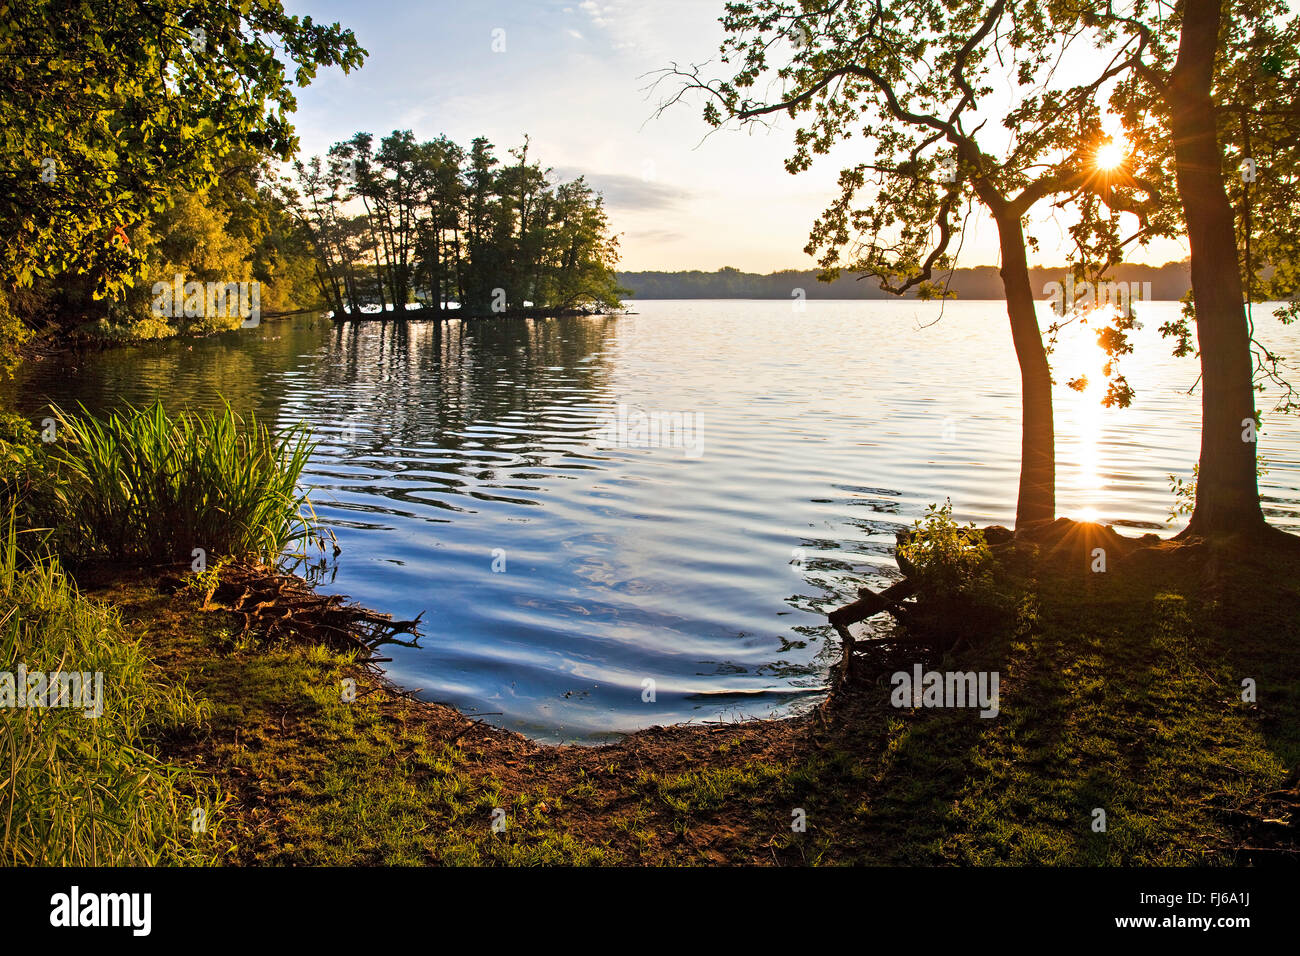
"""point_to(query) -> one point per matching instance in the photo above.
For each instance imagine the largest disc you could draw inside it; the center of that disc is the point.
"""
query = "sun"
(1110, 155)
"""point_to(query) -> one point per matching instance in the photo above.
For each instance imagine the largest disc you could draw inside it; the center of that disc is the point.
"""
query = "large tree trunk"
(1227, 495)
(1037, 498)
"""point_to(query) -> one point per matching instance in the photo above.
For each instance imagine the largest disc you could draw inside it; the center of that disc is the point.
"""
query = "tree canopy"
(435, 223)
(108, 107)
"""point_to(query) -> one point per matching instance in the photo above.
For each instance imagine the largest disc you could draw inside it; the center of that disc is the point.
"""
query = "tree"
(579, 267)
(280, 258)
(1210, 93)
(539, 243)
(353, 163)
(107, 109)
(914, 78)
(192, 238)
(315, 207)
(443, 200)
(395, 188)
(485, 229)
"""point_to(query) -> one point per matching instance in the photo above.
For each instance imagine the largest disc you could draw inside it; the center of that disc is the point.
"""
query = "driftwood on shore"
(277, 606)
(868, 604)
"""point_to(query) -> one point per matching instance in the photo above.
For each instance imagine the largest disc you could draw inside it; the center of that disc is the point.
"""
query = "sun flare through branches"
(1110, 155)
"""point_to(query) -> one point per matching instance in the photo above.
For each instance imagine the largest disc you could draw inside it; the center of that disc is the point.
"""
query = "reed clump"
(143, 484)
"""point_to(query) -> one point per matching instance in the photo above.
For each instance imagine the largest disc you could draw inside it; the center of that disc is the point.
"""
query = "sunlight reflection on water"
(446, 449)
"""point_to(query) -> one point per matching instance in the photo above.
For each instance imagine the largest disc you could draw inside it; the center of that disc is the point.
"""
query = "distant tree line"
(1170, 281)
(435, 224)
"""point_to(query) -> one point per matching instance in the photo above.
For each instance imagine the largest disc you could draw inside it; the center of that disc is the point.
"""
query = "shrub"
(27, 484)
(957, 595)
(143, 484)
(14, 334)
(948, 559)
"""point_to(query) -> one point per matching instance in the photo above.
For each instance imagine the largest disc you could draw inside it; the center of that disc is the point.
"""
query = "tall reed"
(141, 483)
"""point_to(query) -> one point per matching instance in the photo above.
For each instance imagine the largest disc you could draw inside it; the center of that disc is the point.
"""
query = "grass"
(146, 485)
(1119, 692)
(81, 791)
(317, 780)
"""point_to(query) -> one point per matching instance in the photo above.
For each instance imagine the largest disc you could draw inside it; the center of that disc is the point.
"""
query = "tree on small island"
(433, 224)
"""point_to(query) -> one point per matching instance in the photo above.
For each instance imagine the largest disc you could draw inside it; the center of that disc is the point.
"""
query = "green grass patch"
(1119, 692)
(89, 791)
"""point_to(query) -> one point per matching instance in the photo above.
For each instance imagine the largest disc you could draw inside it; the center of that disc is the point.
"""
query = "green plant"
(14, 334)
(958, 597)
(143, 484)
(947, 559)
(27, 483)
(20, 454)
(1185, 491)
(86, 791)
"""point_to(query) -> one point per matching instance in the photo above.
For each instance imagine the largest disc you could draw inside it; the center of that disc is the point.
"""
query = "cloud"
(629, 192)
(597, 13)
(656, 235)
(623, 34)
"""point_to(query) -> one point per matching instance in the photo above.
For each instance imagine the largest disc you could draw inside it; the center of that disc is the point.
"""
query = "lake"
(576, 585)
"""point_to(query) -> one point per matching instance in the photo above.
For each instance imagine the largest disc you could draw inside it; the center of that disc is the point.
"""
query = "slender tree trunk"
(327, 277)
(374, 245)
(1037, 498)
(404, 219)
(350, 279)
(401, 277)
(390, 255)
(329, 288)
(460, 267)
(354, 294)
(437, 269)
(1227, 493)
(338, 293)
(382, 211)
(325, 254)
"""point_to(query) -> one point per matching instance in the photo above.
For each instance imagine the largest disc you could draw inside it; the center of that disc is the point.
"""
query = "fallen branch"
(278, 606)
(868, 604)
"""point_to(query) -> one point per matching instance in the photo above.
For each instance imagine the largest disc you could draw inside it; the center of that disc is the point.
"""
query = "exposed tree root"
(1063, 542)
(891, 600)
(276, 606)
(868, 604)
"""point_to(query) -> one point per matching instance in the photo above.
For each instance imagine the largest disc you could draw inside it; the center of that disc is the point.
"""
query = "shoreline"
(487, 768)
(429, 314)
(50, 342)
(391, 779)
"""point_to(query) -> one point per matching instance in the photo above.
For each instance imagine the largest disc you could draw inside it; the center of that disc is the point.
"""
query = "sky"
(577, 78)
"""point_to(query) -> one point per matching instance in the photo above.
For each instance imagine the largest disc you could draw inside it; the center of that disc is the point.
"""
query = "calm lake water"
(464, 470)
